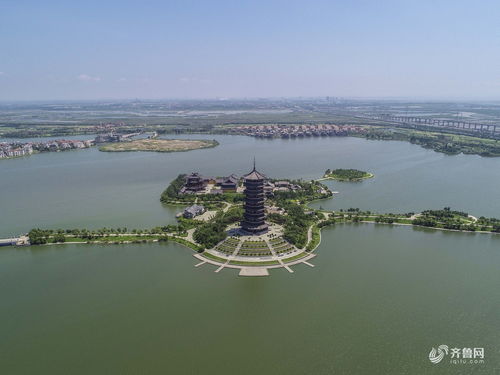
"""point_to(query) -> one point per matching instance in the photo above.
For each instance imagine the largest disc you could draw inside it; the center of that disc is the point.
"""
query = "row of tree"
(172, 192)
(446, 212)
(296, 223)
(42, 236)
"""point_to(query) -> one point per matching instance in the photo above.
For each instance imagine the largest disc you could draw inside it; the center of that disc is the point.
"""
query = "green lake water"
(378, 300)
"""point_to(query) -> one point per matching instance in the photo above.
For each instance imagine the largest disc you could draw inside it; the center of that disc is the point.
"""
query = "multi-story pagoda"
(255, 215)
(194, 183)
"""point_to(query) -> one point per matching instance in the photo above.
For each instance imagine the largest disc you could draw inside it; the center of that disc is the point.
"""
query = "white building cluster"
(12, 150)
(16, 149)
(293, 131)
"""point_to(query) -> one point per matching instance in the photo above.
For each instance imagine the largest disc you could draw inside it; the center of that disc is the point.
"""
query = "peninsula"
(253, 223)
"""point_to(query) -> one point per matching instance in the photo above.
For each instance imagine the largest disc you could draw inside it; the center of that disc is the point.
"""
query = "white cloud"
(87, 78)
(122, 79)
(2, 73)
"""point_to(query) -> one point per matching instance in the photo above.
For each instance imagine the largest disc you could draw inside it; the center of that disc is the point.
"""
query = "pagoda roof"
(231, 179)
(254, 175)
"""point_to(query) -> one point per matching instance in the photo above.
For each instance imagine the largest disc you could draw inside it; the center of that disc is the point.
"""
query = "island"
(252, 223)
(159, 145)
(346, 175)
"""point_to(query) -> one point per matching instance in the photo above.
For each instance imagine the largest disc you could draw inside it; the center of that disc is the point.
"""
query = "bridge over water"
(492, 129)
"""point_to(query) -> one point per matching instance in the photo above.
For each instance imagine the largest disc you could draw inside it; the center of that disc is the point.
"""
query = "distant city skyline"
(441, 50)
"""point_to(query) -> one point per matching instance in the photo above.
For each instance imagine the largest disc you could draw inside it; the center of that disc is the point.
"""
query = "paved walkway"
(190, 233)
(248, 272)
(275, 256)
(232, 256)
(253, 271)
(257, 269)
(206, 216)
(309, 236)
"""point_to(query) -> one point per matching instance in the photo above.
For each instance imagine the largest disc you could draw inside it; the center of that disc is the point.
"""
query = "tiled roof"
(254, 175)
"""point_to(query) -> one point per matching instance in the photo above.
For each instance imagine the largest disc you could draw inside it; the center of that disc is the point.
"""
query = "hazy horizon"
(389, 50)
(415, 100)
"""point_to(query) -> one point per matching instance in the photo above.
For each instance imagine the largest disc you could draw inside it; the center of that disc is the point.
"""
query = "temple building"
(229, 184)
(255, 216)
(194, 183)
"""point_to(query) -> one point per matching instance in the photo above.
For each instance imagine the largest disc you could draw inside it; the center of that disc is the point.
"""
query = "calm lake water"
(378, 300)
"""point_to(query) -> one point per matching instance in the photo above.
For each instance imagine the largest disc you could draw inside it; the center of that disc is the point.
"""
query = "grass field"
(159, 145)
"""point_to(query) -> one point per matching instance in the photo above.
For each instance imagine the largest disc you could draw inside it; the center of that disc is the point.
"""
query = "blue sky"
(206, 49)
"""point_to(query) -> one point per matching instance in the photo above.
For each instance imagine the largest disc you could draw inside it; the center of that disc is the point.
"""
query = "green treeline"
(296, 225)
(211, 233)
(296, 222)
(172, 192)
(44, 236)
(447, 143)
(41, 236)
(445, 213)
(457, 220)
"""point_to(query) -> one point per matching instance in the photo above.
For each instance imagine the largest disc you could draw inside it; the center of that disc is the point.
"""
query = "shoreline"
(183, 241)
(481, 142)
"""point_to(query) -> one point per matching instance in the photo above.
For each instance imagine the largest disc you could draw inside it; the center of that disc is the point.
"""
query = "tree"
(38, 236)
(59, 238)
(210, 234)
